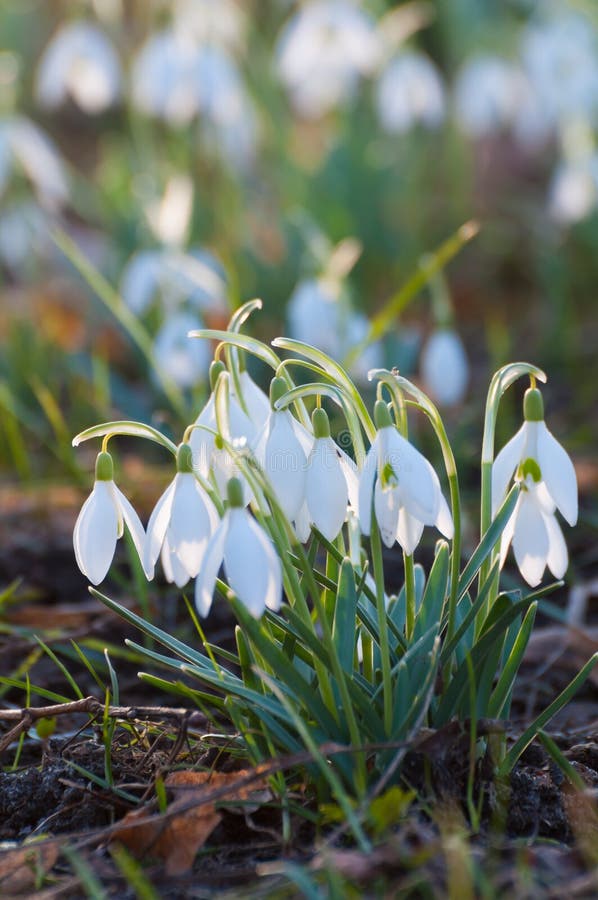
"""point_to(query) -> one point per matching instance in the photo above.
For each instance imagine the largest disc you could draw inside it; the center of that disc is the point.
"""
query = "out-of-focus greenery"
(272, 189)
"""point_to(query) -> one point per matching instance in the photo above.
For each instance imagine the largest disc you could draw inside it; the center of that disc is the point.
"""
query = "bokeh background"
(161, 162)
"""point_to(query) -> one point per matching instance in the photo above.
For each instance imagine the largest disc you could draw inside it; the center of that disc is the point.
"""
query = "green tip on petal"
(104, 467)
(381, 415)
(184, 458)
(533, 406)
(530, 467)
(215, 369)
(278, 387)
(234, 493)
(321, 425)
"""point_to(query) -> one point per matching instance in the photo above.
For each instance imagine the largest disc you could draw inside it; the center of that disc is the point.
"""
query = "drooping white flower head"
(534, 451)
(573, 190)
(26, 145)
(282, 448)
(331, 481)
(560, 58)
(195, 279)
(222, 24)
(101, 523)
(444, 367)
(169, 215)
(323, 51)
(79, 62)
(410, 92)
(487, 95)
(181, 524)
(405, 488)
(535, 534)
(163, 81)
(251, 565)
(186, 361)
(24, 235)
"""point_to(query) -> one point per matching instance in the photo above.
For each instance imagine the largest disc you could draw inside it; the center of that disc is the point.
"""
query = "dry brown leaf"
(21, 867)
(177, 835)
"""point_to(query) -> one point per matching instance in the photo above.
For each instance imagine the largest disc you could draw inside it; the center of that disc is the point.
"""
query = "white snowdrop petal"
(284, 464)
(302, 525)
(386, 506)
(80, 534)
(326, 491)
(507, 534)
(409, 531)
(133, 523)
(256, 401)
(98, 533)
(157, 526)
(351, 473)
(190, 523)
(444, 367)
(444, 520)
(366, 486)
(504, 467)
(558, 473)
(558, 558)
(206, 578)
(251, 565)
(174, 571)
(530, 540)
(419, 491)
(303, 435)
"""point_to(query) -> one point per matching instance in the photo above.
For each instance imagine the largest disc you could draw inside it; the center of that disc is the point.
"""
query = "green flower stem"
(410, 597)
(376, 547)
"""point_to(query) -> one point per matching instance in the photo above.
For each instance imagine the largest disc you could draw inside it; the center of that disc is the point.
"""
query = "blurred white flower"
(251, 566)
(323, 51)
(24, 235)
(101, 523)
(410, 92)
(560, 58)
(573, 190)
(181, 357)
(195, 278)
(222, 23)
(181, 525)
(487, 95)
(80, 63)
(177, 78)
(536, 536)
(318, 313)
(329, 474)
(444, 367)
(25, 144)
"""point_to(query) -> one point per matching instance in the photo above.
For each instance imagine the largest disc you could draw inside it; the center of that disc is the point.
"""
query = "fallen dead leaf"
(21, 867)
(176, 835)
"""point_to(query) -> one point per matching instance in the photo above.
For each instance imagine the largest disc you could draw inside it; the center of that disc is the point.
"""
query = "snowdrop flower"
(79, 62)
(535, 533)
(239, 429)
(25, 144)
(534, 452)
(169, 216)
(101, 523)
(184, 360)
(222, 23)
(195, 279)
(181, 524)
(163, 78)
(323, 51)
(487, 95)
(405, 488)
(282, 448)
(329, 474)
(251, 565)
(573, 191)
(444, 367)
(24, 235)
(560, 58)
(410, 92)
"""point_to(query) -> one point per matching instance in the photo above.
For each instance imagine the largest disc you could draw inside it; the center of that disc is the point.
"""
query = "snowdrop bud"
(104, 467)
(533, 406)
(278, 387)
(234, 494)
(382, 417)
(321, 425)
(216, 367)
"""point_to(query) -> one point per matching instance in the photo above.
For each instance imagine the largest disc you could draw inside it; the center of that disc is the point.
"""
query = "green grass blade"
(501, 695)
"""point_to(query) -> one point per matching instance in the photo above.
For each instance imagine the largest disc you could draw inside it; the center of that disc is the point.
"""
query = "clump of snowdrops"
(329, 660)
